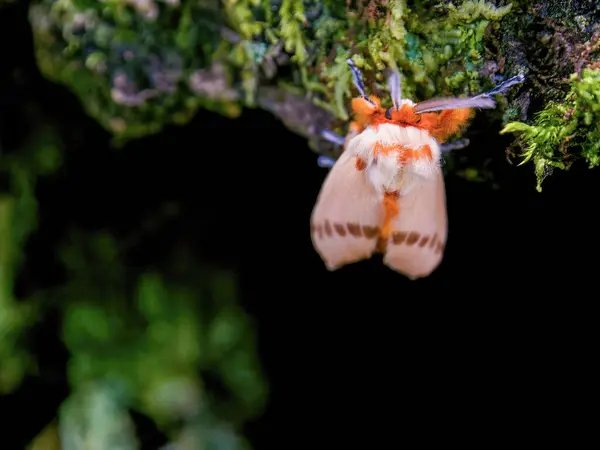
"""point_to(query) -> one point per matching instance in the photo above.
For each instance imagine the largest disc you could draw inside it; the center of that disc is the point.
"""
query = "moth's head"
(442, 118)
(369, 112)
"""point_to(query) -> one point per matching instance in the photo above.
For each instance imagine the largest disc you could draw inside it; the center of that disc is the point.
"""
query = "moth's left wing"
(419, 231)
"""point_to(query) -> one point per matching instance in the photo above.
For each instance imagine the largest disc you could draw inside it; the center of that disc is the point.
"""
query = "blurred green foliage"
(13, 317)
(146, 349)
(143, 341)
(156, 338)
(40, 155)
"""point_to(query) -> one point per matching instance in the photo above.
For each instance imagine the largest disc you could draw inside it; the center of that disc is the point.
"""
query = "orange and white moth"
(386, 192)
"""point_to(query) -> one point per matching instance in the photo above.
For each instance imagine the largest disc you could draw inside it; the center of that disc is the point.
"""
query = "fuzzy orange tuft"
(375, 100)
(447, 123)
(406, 114)
(366, 113)
(362, 107)
(356, 127)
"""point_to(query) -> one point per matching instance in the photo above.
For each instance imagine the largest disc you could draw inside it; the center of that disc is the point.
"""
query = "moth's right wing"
(416, 246)
(347, 217)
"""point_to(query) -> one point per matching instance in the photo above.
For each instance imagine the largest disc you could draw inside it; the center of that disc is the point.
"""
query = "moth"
(385, 193)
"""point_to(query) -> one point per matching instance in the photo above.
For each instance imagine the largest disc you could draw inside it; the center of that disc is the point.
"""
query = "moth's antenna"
(503, 87)
(332, 137)
(357, 78)
(485, 100)
(395, 88)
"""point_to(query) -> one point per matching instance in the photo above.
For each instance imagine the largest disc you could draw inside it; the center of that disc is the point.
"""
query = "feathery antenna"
(357, 78)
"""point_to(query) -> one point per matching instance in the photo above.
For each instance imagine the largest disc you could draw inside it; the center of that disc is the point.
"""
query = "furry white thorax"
(385, 172)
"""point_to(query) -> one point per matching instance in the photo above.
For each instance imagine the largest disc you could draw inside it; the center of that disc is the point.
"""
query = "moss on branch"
(564, 131)
(137, 66)
(557, 120)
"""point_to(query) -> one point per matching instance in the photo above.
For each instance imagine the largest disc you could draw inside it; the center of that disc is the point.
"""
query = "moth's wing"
(347, 216)
(419, 231)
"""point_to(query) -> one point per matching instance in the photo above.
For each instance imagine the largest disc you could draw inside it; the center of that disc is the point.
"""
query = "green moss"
(563, 132)
(133, 66)
(291, 30)
(438, 48)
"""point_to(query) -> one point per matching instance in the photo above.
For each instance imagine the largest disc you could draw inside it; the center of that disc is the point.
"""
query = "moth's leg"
(456, 145)
(325, 161)
(332, 137)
